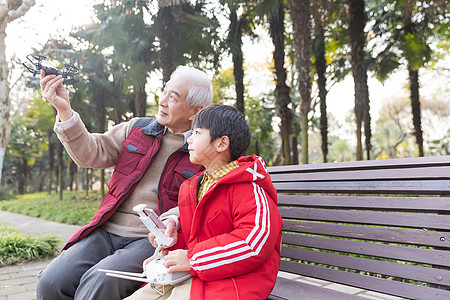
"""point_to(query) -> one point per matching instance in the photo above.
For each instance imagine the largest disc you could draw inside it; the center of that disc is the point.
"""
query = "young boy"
(230, 224)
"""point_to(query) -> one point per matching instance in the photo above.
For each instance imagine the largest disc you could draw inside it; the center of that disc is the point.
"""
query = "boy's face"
(201, 150)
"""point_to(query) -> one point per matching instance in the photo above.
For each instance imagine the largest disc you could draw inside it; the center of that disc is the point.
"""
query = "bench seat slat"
(358, 175)
(416, 187)
(429, 221)
(402, 163)
(413, 272)
(396, 288)
(423, 204)
(290, 289)
(419, 255)
(391, 235)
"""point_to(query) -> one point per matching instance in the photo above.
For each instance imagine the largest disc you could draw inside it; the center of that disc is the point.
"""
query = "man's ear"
(195, 111)
(224, 144)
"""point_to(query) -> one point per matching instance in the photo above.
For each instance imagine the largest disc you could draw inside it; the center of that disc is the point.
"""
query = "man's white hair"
(199, 85)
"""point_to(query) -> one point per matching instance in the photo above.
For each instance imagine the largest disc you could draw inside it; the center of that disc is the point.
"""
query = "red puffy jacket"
(233, 235)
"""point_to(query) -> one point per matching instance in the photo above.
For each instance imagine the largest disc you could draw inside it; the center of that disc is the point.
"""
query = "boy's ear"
(195, 111)
(224, 144)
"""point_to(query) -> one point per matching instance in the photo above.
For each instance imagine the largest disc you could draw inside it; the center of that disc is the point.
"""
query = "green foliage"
(260, 113)
(441, 146)
(416, 51)
(222, 86)
(25, 142)
(394, 40)
(16, 246)
(73, 209)
(40, 115)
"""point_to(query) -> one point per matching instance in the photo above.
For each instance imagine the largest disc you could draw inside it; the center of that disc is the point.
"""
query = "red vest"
(139, 150)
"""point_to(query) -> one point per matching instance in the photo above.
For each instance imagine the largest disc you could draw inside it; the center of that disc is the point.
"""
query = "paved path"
(18, 282)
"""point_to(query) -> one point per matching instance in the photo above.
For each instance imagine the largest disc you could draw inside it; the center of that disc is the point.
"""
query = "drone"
(36, 66)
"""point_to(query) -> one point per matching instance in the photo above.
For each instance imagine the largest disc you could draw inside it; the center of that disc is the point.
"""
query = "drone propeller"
(36, 60)
(70, 71)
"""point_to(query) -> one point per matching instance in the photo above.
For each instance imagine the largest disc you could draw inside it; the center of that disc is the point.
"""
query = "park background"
(305, 73)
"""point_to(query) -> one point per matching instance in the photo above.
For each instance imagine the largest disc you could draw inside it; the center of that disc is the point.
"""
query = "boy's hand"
(171, 231)
(177, 260)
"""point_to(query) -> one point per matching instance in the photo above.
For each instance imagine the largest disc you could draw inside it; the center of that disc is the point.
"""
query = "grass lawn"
(17, 247)
(75, 208)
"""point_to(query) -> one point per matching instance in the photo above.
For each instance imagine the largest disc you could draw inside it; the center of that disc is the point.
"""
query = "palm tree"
(165, 31)
(413, 71)
(9, 11)
(235, 41)
(274, 9)
(122, 27)
(357, 22)
(321, 67)
(240, 24)
(301, 22)
(187, 34)
(407, 28)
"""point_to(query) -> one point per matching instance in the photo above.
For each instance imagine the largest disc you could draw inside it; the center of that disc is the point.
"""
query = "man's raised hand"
(56, 94)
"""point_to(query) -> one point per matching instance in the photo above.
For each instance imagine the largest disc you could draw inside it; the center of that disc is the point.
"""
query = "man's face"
(173, 110)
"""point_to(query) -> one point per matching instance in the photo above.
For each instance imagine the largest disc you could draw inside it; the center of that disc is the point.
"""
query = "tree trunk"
(357, 22)
(257, 152)
(60, 150)
(367, 127)
(5, 128)
(321, 67)
(409, 28)
(22, 188)
(100, 113)
(235, 40)
(9, 11)
(415, 106)
(282, 91)
(164, 33)
(40, 176)
(301, 22)
(140, 102)
(73, 169)
(88, 181)
(294, 139)
(51, 160)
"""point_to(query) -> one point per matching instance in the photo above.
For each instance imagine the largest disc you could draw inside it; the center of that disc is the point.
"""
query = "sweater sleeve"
(256, 231)
(92, 150)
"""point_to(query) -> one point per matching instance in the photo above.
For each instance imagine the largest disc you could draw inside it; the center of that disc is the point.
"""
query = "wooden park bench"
(381, 226)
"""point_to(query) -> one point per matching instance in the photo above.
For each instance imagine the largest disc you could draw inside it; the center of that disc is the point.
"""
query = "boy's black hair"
(226, 120)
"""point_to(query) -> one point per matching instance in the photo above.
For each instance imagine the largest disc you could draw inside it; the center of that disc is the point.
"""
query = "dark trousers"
(74, 273)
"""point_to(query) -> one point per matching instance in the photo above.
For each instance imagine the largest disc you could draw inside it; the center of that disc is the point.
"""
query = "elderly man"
(151, 161)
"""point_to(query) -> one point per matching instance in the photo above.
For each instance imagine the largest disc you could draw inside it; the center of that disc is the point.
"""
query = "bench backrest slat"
(401, 163)
(414, 220)
(411, 254)
(414, 187)
(389, 235)
(359, 264)
(392, 287)
(393, 174)
(423, 204)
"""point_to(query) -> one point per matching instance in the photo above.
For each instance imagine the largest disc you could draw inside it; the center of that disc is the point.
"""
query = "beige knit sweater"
(102, 151)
